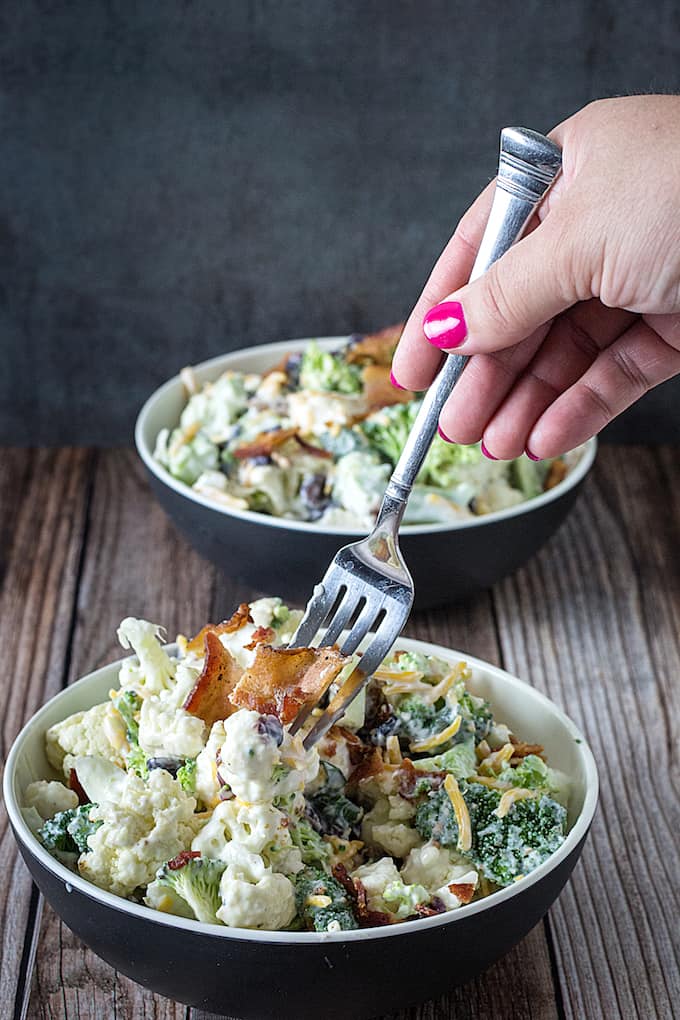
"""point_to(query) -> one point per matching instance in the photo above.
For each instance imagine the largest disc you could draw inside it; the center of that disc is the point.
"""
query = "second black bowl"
(448, 562)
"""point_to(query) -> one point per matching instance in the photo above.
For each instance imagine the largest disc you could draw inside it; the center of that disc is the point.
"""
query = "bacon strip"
(264, 444)
(182, 858)
(375, 348)
(282, 680)
(239, 619)
(379, 391)
(211, 694)
(463, 890)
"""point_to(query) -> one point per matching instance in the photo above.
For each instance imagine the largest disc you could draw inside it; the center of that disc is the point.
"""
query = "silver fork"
(367, 586)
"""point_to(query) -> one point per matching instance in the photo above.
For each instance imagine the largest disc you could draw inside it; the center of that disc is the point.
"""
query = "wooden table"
(594, 621)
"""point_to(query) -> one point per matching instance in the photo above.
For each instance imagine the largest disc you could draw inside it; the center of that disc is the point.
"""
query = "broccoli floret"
(322, 901)
(327, 370)
(68, 831)
(504, 848)
(402, 900)
(532, 773)
(419, 720)
(128, 705)
(387, 430)
(196, 880)
(434, 818)
(135, 761)
(446, 463)
(186, 774)
(312, 847)
(330, 811)
(477, 712)
(460, 760)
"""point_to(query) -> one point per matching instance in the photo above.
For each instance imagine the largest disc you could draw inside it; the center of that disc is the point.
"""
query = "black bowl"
(448, 562)
(286, 975)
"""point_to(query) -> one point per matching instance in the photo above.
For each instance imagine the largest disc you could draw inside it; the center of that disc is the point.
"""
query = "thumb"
(525, 288)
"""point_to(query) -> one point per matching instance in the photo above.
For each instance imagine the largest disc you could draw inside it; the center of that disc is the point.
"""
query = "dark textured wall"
(179, 179)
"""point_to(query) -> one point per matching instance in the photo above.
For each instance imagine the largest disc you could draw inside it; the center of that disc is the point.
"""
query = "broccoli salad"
(186, 791)
(316, 438)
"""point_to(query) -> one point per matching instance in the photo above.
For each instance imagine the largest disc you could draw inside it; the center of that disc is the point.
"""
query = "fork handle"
(528, 165)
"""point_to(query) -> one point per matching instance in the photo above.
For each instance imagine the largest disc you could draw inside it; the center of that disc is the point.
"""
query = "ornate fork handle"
(528, 165)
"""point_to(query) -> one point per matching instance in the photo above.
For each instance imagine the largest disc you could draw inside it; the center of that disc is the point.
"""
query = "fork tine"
(378, 649)
(340, 620)
(362, 625)
(317, 610)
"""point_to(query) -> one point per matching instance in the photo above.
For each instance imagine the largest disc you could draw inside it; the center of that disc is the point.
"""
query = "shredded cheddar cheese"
(319, 901)
(461, 812)
(510, 797)
(393, 751)
(494, 762)
(439, 738)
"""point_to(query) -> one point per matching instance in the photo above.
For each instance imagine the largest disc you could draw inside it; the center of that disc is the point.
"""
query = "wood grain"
(40, 556)
(593, 620)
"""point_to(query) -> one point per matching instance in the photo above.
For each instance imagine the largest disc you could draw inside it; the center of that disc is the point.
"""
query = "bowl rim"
(75, 882)
(575, 475)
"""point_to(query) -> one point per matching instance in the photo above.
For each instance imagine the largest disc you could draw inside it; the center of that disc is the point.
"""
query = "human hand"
(582, 316)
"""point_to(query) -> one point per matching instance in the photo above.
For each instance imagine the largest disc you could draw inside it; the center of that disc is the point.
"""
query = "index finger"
(416, 361)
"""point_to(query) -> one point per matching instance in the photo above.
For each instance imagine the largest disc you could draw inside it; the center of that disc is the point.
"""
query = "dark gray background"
(180, 179)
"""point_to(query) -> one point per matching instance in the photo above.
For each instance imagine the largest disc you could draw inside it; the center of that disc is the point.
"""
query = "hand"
(581, 317)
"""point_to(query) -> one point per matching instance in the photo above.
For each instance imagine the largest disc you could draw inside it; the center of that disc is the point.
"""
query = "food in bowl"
(186, 791)
(315, 439)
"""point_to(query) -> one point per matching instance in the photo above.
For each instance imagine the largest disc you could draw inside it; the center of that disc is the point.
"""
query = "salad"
(186, 791)
(316, 438)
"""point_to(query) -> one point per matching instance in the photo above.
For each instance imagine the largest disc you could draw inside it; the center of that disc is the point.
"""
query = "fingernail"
(487, 454)
(444, 325)
(394, 382)
(443, 435)
(530, 455)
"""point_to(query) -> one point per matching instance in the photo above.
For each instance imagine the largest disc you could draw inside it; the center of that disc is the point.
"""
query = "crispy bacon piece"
(463, 890)
(316, 451)
(558, 470)
(356, 891)
(408, 775)
(521, 749)
(379, 391)
(261, 636)
(262, 445)
(239, 619)
(182, 858)
(371, 764)
(375, 348)
(210, 697)
(74, 784)
(282, 680)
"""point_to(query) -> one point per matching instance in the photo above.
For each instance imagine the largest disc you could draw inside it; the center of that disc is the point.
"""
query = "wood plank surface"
(40, 555)
(593, 620)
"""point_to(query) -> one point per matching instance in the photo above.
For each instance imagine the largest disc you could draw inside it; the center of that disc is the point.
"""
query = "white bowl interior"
(164, 407)
(528, 713)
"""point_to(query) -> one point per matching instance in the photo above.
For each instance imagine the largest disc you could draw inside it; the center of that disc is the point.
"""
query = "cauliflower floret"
(260, 761)
(386, 826)
(154, 669)
(207, 785)
(257, 828)
(375, 877)
(252, 895)
(167, 728)
(80, 734)
(314, 413)
(146, 825)
(48, 798)
(437, 869)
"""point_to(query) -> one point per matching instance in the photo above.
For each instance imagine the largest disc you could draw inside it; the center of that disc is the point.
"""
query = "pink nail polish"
(444, 325)
(443, 435)
(394, 382)
(530, 455)
(486, 453)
